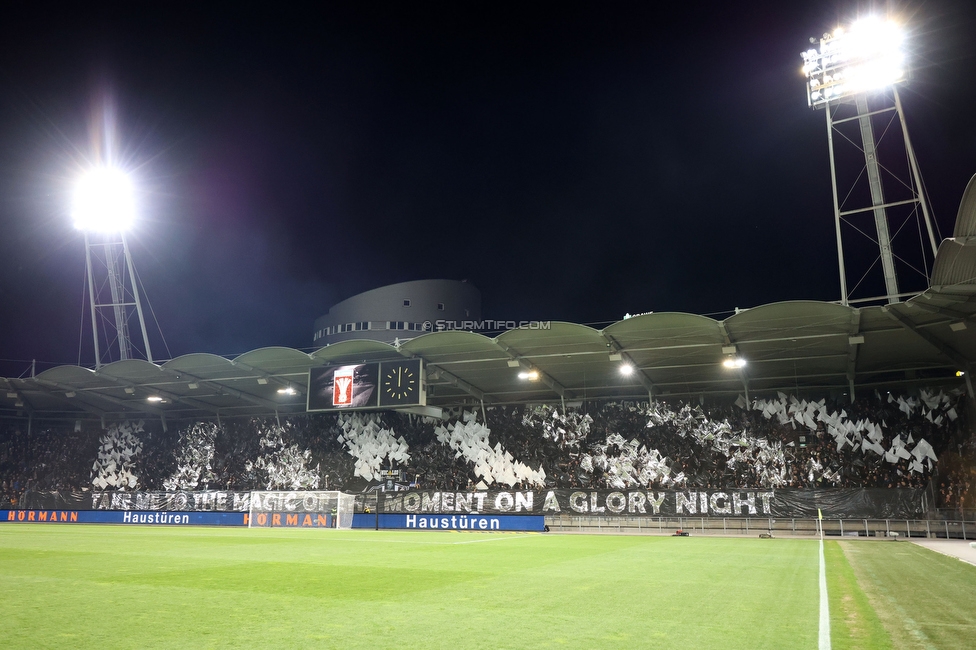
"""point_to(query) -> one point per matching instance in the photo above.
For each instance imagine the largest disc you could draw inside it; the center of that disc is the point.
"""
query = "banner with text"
(122, 517)
(186, 501)
(871, 503)
(473, 522)
(790, 503)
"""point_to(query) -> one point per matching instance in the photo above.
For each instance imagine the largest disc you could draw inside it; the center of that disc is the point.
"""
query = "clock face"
(400, 383)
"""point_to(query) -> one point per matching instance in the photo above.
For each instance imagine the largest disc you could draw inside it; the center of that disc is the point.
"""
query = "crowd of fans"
(607, 445)
(957, 478)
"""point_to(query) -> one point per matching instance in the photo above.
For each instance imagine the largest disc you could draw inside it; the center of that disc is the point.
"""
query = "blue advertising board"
(451, 522)
(123, 517)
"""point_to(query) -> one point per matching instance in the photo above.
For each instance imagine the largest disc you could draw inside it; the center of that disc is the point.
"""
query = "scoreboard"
(363, 386)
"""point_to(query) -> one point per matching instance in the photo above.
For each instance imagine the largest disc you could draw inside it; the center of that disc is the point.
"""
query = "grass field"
(113, 587)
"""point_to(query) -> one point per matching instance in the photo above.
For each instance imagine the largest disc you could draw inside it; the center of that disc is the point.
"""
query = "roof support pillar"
(854, 340)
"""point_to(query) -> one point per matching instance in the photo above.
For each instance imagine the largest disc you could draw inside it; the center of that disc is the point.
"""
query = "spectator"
(718, 446)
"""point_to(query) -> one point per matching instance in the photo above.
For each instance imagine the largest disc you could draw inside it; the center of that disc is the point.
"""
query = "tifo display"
(750, 458)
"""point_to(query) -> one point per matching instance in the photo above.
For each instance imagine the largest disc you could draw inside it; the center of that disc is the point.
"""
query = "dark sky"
(573, 161)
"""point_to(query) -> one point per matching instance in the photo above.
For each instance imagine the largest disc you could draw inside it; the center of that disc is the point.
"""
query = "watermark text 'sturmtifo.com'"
(486, 325)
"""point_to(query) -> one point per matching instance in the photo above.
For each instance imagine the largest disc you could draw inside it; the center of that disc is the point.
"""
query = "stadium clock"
(400, 383)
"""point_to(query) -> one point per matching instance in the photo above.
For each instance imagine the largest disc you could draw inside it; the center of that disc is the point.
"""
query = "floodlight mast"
(103, 209)
(851, 65)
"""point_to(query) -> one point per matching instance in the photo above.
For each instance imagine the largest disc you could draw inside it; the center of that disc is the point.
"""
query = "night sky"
(574, 161)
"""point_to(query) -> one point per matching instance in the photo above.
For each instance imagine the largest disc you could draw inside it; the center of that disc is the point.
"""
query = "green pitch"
(113, 587)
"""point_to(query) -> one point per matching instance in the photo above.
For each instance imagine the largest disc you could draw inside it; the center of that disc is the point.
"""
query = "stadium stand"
(881, 440)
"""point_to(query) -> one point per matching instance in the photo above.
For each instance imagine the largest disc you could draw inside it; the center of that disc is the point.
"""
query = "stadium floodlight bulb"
(626, 370)
(155, 398)
(287, 391)
(867, 56)
(736, 362)
(531, 375)
(104, 201)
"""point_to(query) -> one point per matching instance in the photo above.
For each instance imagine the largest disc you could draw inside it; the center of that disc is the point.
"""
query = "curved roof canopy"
(789, 346)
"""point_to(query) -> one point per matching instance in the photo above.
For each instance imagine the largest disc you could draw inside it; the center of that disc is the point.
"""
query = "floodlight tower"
(853, 67)
(104, 208)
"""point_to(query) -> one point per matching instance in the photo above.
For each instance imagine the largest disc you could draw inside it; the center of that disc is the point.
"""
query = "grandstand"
(799, 420)
(831, 396)
(429, 478)
(860, 415)
(882, 441)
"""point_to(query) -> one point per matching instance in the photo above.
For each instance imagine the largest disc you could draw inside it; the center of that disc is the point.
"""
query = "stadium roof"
(789, 346)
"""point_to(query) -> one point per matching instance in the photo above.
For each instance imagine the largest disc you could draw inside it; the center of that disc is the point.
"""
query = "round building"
(399, 311)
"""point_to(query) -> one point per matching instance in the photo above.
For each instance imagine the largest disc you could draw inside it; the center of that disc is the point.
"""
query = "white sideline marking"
(824, 638)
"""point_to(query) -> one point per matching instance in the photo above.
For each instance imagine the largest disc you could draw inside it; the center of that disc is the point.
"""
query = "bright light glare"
(531, 375)
(154, 398)
(877, 46)
(872, 36)
(626, 369)
(868, 56)
(104, 201)
(287, 391)
(734, 363)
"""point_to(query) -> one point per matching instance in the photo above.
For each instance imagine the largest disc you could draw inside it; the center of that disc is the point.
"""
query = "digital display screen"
(367, 386)
(343, 387)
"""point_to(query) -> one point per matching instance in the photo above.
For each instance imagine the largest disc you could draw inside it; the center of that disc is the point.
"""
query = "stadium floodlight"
(734, 362)
(867, 56)
(530, 375)
(104, 208)
(155, 398)
(287, 391)
(104, 201)
(626, 370)
(854, 74)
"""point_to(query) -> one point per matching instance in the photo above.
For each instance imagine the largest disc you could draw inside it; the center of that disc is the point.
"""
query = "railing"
(961, 514)
(752, 526)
